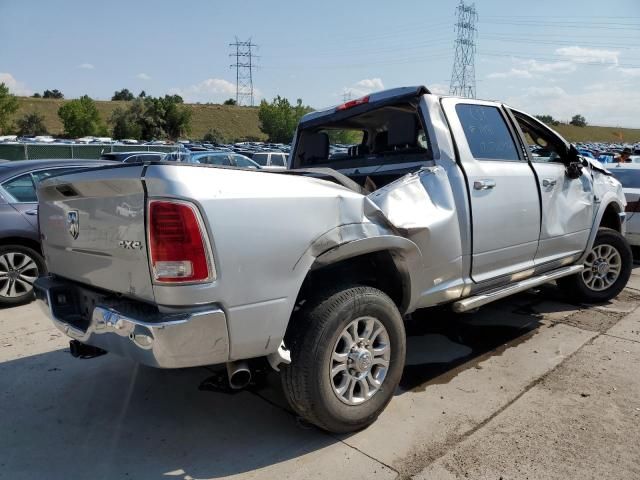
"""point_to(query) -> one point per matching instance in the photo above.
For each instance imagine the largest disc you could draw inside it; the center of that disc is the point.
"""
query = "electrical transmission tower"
(244, 70)
(463, 76)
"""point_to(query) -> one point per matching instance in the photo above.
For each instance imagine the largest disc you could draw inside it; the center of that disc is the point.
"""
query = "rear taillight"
(178, 246)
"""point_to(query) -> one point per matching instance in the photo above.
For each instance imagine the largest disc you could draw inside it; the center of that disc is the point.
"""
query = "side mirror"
(574, 170)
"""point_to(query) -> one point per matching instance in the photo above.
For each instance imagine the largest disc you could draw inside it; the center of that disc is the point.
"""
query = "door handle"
(32, 212)
(484, 184)
(549, 182)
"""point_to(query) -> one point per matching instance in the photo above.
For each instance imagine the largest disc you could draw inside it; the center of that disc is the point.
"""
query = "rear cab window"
(371, 144)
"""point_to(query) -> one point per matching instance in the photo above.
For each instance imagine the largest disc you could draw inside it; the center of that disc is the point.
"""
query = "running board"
(476, 301)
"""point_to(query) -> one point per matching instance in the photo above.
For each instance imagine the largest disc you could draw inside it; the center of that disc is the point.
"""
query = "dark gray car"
(20, 256)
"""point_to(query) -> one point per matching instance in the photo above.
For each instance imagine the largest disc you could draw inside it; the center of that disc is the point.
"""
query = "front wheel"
(607, 268)
(347, 356)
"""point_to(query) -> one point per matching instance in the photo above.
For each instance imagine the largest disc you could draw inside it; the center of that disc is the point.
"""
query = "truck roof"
(372, 100)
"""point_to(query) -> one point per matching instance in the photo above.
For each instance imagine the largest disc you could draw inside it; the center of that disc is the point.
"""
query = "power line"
(463, 75)
(244, 70)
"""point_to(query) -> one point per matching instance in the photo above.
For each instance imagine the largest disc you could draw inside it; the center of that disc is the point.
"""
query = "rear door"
(502, 187)
(567, 203)
(22, 196)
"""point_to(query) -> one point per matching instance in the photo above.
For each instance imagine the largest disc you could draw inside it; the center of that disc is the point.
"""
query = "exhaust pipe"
(82, 350)
(239, 374)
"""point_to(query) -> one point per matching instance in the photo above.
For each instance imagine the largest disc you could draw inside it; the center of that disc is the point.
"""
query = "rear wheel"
(347, 356)
(19, 268)
(607, 268)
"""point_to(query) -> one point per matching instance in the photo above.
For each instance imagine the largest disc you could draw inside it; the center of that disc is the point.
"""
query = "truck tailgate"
(93, 229)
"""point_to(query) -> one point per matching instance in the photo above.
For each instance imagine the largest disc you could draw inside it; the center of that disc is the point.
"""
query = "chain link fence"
(34, 151)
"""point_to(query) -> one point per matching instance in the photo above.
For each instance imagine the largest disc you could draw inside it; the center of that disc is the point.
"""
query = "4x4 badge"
(73, 223)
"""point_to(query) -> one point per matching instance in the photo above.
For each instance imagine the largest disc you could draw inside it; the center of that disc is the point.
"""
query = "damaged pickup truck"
(439, 201)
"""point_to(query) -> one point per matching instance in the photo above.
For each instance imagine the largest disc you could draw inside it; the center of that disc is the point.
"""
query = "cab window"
(487, 133)
(543, 146)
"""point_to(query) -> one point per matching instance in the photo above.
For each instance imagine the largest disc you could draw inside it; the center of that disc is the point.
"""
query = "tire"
(19, 267)
(594, 286)
(323, 332)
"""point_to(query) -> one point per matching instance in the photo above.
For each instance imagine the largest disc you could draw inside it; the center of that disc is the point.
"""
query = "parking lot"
(530, 387)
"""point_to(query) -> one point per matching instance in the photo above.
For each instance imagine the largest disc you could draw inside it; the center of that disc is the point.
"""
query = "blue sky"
(544, 56)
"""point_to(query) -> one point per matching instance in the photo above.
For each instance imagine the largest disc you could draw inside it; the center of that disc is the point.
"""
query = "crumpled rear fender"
(405, 254)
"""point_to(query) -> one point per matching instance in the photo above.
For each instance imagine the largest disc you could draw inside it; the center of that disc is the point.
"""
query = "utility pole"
(244, 70)
(463, 76)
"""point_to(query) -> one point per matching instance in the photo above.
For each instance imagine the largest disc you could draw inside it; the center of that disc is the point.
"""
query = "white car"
(629, 176)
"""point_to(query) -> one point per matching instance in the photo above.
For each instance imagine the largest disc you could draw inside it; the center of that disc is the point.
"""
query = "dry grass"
(242, 122)
(233, 122)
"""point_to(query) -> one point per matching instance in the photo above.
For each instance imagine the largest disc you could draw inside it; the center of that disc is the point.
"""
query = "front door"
(502, 187)
(567, 203)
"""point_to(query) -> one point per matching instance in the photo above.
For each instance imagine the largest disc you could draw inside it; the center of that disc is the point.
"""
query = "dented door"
(567, 211)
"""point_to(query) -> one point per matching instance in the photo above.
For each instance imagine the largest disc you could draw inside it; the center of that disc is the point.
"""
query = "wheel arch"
(21, 241)
(389, 263)
(610, 214)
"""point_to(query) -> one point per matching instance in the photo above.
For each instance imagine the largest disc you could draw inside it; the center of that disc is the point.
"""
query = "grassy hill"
(234, 122)
(242, 122)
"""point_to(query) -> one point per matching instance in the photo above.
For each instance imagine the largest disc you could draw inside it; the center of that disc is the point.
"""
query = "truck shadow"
(120, 420)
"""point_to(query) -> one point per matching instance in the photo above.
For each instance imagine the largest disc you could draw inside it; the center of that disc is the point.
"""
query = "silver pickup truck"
(438, 201)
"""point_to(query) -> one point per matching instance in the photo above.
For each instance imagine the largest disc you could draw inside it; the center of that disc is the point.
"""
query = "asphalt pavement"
(529, 387)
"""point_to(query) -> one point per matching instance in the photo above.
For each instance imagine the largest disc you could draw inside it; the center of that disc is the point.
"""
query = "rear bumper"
(133, 329)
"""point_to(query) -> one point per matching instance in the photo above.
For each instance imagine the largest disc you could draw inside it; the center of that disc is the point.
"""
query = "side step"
(476, 301)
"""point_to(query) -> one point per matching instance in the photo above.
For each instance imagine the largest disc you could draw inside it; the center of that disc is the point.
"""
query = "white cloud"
(15, 87)
(364, 87)
(86, 66)
(143, 76)
(599, 103)
(589, 55)
(514, 72)
(438, 88)
(210, 90)
(545, 92)
(629, 72)
(533, 68)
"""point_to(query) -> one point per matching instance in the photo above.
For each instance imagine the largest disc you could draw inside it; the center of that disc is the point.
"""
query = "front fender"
(608, 199)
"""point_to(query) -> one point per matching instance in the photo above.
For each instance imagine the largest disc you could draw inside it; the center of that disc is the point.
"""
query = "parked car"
(133, 157)
(272, 160)
(228, 159)
(316, 267)
(628, 174)
(20, 255)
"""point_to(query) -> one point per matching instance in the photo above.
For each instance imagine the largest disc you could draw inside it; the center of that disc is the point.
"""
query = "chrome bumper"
(164, 340)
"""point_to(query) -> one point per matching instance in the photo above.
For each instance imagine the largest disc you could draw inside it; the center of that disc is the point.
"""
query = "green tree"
(231, 101)
(142, 94)
(8, 106)
(176, 118)
(36, 95)
(126, 123)
(279, 118)
(81, 118)
(214, 136)
(123, 94)
(31, 124)
(548, 119)
(578, 121)
(53, 94)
